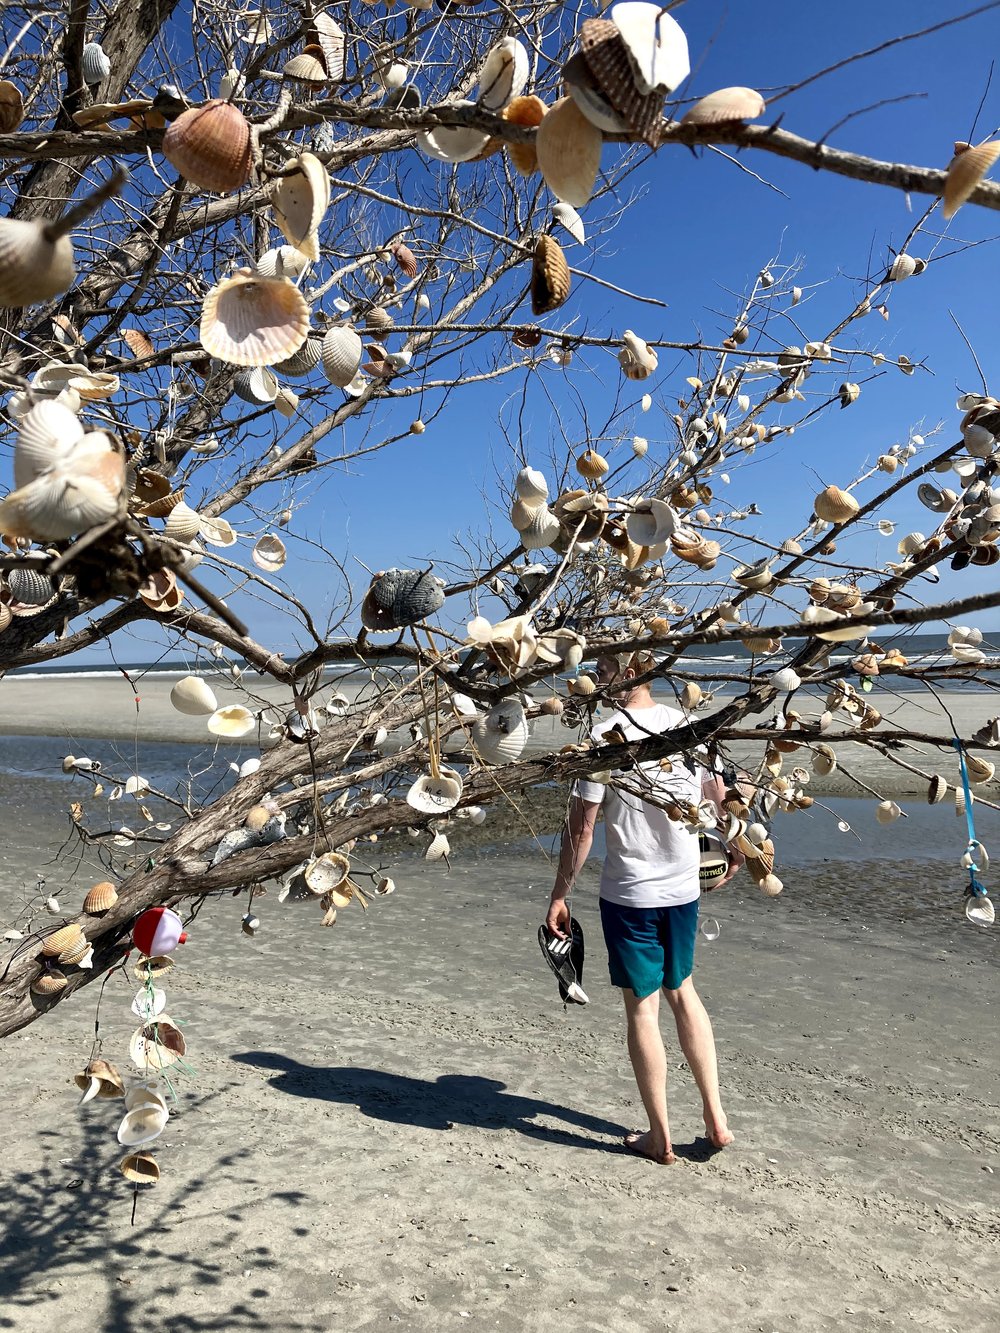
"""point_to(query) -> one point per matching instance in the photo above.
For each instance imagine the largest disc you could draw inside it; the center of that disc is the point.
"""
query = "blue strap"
(975, 887)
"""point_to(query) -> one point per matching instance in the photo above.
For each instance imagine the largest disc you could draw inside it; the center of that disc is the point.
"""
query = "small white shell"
(652, 521)
(505, 72)
(231, 720)
(269, 553)
(452, 143)
(531, 485)
(439, 848)
(193, 696)
(434, 796)
(48, 431)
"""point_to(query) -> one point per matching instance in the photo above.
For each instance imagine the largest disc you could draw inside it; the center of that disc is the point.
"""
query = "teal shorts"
(649, 947)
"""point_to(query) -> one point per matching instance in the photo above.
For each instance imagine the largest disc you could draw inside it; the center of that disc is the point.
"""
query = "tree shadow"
(68, 1221)
(442, 1103)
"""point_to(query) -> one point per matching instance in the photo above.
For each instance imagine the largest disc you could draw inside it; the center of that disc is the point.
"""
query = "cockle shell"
(248, 320)
(299, 200)
(78, 490)
(399, 597)
(550, 278)
(834, 505)
(325, 874)
(341, 352)
(439, 848)
(965, 171)
(49, 982)
(587, 93)
(11, 107)
(217, 531)
(433, 796)
(651, 521)
(161, 593)
(94, 64)
(887, 811)
(210, 146)
(608, 59)
(30, 587)
(257, 385)
(979, 770)
(505, 72)
(456, 143)
(284, 261)
(330, 37)
(637, 359)
(901, 268)
(824, 760)
(568, 217)
(183, 523)
(58, 377)
(529, 112)
(63, 938)
(302, 362)
(305, 68)
(656, 45)
(591, 465)
(140, 1168)
(33, 267)
(231, 720)
(541, 529)
(786, 680)
(568, 147)
(531, 485)
(101, 898)
(725, 106)
(193, 696)
(501, 735)
(48, 431)
(269, 553)
(99, 1079)
(378, 321)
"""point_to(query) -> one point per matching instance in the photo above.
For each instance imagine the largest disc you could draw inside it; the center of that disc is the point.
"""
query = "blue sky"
(697, 231)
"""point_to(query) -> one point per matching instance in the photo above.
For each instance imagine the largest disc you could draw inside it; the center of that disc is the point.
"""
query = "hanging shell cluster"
(400, 597)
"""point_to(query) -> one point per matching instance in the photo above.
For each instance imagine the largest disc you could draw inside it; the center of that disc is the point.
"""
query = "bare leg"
(649, 1064)
(694, 1031)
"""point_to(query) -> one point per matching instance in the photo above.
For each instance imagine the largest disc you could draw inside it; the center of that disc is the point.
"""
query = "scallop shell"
(341, 352)
(11, 107)
(568, 148)
(528, 111)
(652, 521)
(284, 261)
(269, 553)
(591, 465)
(247, 320)
(140, 1168)
(302, 362)
(541, 529)
(99, 1079)
(305, 68)
(550, 278)
(299, 200)
(453, 143)
(655, 43)
(607, 59)
(232, 720)
(834, 505)
(326, 873)
(966, 169)
(501, 735)
(49, 982)
(438, 849)
(210, 146)
(257, 385)
(183, 523)
(531, 485)
(330, 36)
(62, 939)
(194, 697)
(94, 64)
(379, 322)
(32, 267)
(979, 770)
(637, 359)
(398, 597)
(76, 954)
(505, 72)
(142, 1124)
(156, 1045)
(406, 259)
(725, 106)
(30, 587)
(48, 431)
(101, 898)
(432, 796)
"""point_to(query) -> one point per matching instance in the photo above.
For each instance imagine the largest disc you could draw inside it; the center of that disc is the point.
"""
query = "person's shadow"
(450, 1100)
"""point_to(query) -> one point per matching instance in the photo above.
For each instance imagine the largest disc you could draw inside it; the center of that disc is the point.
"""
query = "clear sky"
(696, 232)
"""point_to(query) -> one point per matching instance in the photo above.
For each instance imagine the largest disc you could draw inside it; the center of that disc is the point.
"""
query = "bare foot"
(718, 1132)
(643, 1145)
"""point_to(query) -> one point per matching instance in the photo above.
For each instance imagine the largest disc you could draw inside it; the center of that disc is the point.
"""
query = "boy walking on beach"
(649, 903)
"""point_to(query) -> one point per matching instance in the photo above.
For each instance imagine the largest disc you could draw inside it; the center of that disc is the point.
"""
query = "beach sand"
(395, 1124)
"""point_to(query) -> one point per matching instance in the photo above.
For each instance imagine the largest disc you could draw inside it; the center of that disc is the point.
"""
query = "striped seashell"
(302, 362)
(330, 38)
(568, 148)
(183, 523)
(49, 982)
(11, 107)
(138, 343)
(505, 72)
(399, 597)
(541, 529)
(379, 323)
(531, 485)
(528, 111)
(406, 259)
(607, 58)
(140, 1168)
(30, 587)
(435, 795)
(161, 593)
(95, 65)
(76, 952)
(299, 201)
(655, 43)
(306, 68)
(162, 506)
(247, 320)
(48, 431)
(591, 465)
(258, 385)
(341, 354)
(937, 789)
(80, 490)
(210, 146)
(284, 261)
(550, 277)
(586, 93)
(66, 937)
(965, 171)
(101, 898)
(501, 735)
(725, 106)
(58, 376)
(834, 505)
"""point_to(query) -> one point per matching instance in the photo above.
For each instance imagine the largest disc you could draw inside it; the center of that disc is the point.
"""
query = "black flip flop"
(565, 958)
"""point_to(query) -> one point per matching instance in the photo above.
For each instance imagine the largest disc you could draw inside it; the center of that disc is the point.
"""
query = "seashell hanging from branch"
(655, 44)
(505, 72)
(400, 597)
(725, 107)
(330, 39)
(637, 359)
(79, 489)
(965, 171)
(95, 66)
(454, 143)
(284, 261)
(341, 353)
(269, 553)
(550, 279)
(500, 736)
(193, 696)
(210, 146)
(568, 148)
(529, 112)
(299, 200)
(834, 505)
(248, 320)
(435, 795)
(11, 107)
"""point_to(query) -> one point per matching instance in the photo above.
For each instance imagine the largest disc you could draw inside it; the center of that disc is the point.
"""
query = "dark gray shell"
(30, 587)
(399, 597)
(303, 361)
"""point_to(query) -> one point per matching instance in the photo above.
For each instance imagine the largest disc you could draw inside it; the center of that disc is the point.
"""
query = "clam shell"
(527, 111)
(937, 789)
(501, 735)
(183, 523)
(142, 1124)
(651, 521)
(140, 1168)
(531, 485)
(655, 43)
(150, 1092)
(591, 465)
(637, 359)
(101, 898)
(232, 720)
(161, 593)
(586, 93)
(834, 505)
(979, 770)
(378, 321)
(305, 68)
(452, 143)
(74, 953)
(60, 940)
(724, 106)
(252, 321)
(193, 696)
(156, 1045)
(269, 552)
(99, 1079)
(210, 146)
(302, 362)
(94, 63)
(341, 354)
(11, 107)
(398, 597)
(330, 36)
(32, 268)
(541, 529)
(406, 259)
(438, 849)
(980, 911)
(49, 982)
(568, 148)
(505, 72)
(433, 796)
(257, 385)
(284, 261)
(30, 587)
(965, 171)
(48, 431)
(569, 218)
(607, 58)
(299, 201)
(217, 531)
(325, 874)
(550, 277)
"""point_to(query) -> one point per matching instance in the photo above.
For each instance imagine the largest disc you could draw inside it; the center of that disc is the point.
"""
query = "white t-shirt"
(652, 860)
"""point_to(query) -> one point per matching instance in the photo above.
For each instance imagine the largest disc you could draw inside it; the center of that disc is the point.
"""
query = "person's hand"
(557, 920)
(736, 863)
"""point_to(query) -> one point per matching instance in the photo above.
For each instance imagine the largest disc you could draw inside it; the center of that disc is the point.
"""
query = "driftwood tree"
(177, 381)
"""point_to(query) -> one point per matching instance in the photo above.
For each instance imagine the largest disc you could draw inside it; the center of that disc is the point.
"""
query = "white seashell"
(656, 45)
(257, 385)
(500, 736)
(147, 1005)
(568, 148)
(902, 267)
(439, 848)
(541, 530)
(94, 64)
(505, 72)
(531, 485)
(217, 531)
(80, 490)
(48, 431)
(652, 521)
(249, 320)
(183, 523)
(980, 911)
(640, 445)
(341, 353)
(232, 85)
(269, 553)
(284, 261)
(786, 680)
(567, 215)
(887, 811)
(434, 796)
(157, 1045)
(331, 38)
(142, 1124)
(193, 696)
(395, 76)
(646, 402)
(231, 720)
(299, 200)
(452, 143)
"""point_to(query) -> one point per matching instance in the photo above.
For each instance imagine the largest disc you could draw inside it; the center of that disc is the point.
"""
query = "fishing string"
(976, 889)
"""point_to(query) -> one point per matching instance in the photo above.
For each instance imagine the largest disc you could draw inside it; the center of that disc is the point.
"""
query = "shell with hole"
(834, 505)
(341, 352)
(210, 146)
(140, 1168)
(505, 72)
(550, 277)
(591, 465)
(501, 735)
(79, 490)
(269, 553)
(101, 898)
(157, 1045)
(232, 720)
(248, 320)
(637, 359)
(326, 873)
(299, 199)
(726, 106)
(99, 1079)
(435, 796)
(193, 696)
(568, 147)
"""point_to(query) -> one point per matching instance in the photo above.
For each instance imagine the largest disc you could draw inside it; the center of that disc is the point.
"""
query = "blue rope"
(975, 888)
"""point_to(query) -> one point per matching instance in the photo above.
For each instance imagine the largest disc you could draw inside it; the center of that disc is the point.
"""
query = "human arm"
(714, 789)
(577, 837)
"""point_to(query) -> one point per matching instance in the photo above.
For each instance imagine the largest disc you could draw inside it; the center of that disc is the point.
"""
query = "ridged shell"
(82, 490)
(258, 385)
(30, 587)
(541, 529)
(210, 146)
(568, 148)
(591, 465)
(500, 736)
(505, 72)
(32, 267)
(406, 259)
(302, 362)
(305, 68)
(284, 261)
(63, 938)
(399, 597)
(232, 720)
(50, 982)
(11, 107)
(550, 277)
(269, 553)
(656, 45)
(341, 354)
(299, 201)
(637, 359)
(432, 796)
(94, 64)
(965, 172)
(140, 1168)
(725, 106)
(528, 111)
(979, 770)
(183, 523)
(531, 485)
(161, 593)
(379, 323)
(330, 36)
(452, 143)
(937, 789)
(194, 697)
(101, 898)
(607, 59)
(91, 385)
(75, 953)
(833, 505)
(218, 531)
(252, 321)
